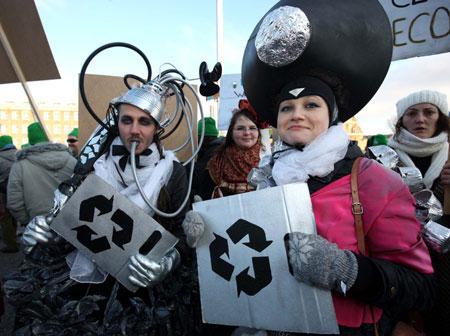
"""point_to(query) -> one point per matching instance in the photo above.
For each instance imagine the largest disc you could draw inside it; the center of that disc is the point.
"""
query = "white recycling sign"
(243, 268)
(109, 229)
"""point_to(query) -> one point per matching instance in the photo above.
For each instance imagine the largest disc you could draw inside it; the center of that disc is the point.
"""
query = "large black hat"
(347, 44)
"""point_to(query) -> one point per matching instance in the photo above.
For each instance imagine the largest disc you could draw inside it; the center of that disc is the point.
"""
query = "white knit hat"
(425, 96)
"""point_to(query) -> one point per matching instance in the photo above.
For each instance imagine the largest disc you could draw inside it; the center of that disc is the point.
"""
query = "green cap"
(377, 140)
(5, 140)
(210, 127)
(25, 146)
(36, 134)
(74, 132)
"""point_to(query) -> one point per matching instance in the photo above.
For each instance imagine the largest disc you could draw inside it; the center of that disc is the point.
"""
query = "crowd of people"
(368, 249)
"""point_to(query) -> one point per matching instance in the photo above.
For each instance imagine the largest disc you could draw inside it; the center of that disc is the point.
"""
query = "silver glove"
(38, 231)
(193, 227)
(146, 272)
(60, 199)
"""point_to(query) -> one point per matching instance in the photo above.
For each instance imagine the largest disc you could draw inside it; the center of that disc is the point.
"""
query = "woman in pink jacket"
(306, 73)
(396, 272)
(308, 67)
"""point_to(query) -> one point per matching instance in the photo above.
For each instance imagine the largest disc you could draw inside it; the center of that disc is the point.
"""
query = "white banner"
(231, 91)
(419, 27)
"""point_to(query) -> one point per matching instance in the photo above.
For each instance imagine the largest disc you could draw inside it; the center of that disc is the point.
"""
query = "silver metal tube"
(201, 114)
(144, 197)
(187, 111)
(178, 106)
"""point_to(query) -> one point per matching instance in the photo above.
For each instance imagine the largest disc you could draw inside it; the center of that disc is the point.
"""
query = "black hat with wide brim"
(347, 44)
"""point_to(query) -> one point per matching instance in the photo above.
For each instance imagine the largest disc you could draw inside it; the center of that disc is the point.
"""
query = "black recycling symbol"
(261, 265)
(119, 217)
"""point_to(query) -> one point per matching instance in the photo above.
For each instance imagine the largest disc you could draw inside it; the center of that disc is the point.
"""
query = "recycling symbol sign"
(119, 217)
(261, 265)
(106, 227)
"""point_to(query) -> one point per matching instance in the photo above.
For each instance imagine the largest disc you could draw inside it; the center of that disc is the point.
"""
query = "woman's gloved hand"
(318, 262)
(38, 231)
(193, 227)
(146, 272)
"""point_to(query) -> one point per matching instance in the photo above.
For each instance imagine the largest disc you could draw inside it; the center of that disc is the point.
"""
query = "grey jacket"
(7, 158)
(34, 178)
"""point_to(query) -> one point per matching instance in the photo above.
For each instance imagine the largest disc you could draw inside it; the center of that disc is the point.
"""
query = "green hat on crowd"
(36, 134)
(5, 140)
(377, 140)
(210, 127)
(74, 133)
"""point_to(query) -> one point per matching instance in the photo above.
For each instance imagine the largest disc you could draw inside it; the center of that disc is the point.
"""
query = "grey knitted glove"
(318, 262)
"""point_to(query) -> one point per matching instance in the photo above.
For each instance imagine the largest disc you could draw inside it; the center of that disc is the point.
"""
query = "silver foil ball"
(282, 36)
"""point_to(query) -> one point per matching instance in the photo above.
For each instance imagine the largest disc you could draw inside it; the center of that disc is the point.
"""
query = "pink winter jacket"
(390, 227)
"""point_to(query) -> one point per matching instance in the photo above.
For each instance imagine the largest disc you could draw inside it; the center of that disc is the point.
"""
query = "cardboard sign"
(23, 29)
(109, 229)
(243, 267)
(419, 27)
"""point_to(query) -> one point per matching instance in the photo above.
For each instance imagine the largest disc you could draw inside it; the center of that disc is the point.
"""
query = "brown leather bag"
(401, 328)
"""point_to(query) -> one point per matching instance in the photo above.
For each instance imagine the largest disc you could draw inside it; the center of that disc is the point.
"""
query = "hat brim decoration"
(346, 44)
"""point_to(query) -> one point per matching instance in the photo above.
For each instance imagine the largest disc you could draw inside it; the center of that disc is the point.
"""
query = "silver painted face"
(149, 97)
(283, 36)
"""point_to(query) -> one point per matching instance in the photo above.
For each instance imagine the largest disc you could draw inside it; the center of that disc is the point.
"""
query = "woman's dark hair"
(442, 125)
(229, 137)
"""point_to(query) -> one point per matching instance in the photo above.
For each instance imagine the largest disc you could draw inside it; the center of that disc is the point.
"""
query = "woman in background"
(233, 160)
(421, 137)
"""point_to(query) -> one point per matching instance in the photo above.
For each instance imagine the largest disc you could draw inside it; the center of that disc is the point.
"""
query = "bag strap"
(357, 208)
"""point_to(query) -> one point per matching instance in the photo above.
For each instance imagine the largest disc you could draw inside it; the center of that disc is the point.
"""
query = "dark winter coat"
(7, 158)
(202, 183)
(171, 307)
(175, 300)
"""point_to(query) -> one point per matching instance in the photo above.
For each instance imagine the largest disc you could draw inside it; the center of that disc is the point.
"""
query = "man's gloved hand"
(146, 272)
(38, 231)
(318, 262)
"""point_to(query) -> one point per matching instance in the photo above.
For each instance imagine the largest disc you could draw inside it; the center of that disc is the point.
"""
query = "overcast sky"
(184, 34)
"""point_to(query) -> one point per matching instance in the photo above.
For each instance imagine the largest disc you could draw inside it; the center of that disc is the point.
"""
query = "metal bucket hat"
(346, 44)
(149, 97)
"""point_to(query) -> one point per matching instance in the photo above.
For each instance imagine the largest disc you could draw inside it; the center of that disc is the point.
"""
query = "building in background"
(59, 119)
(355, 132)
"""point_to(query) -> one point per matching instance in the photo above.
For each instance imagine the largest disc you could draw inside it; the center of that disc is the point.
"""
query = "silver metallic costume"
(173, 299)
(428, 207)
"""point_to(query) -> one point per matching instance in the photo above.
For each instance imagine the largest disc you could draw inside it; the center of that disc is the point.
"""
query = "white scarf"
(316, 159)
(153, 175)
(406, 143)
